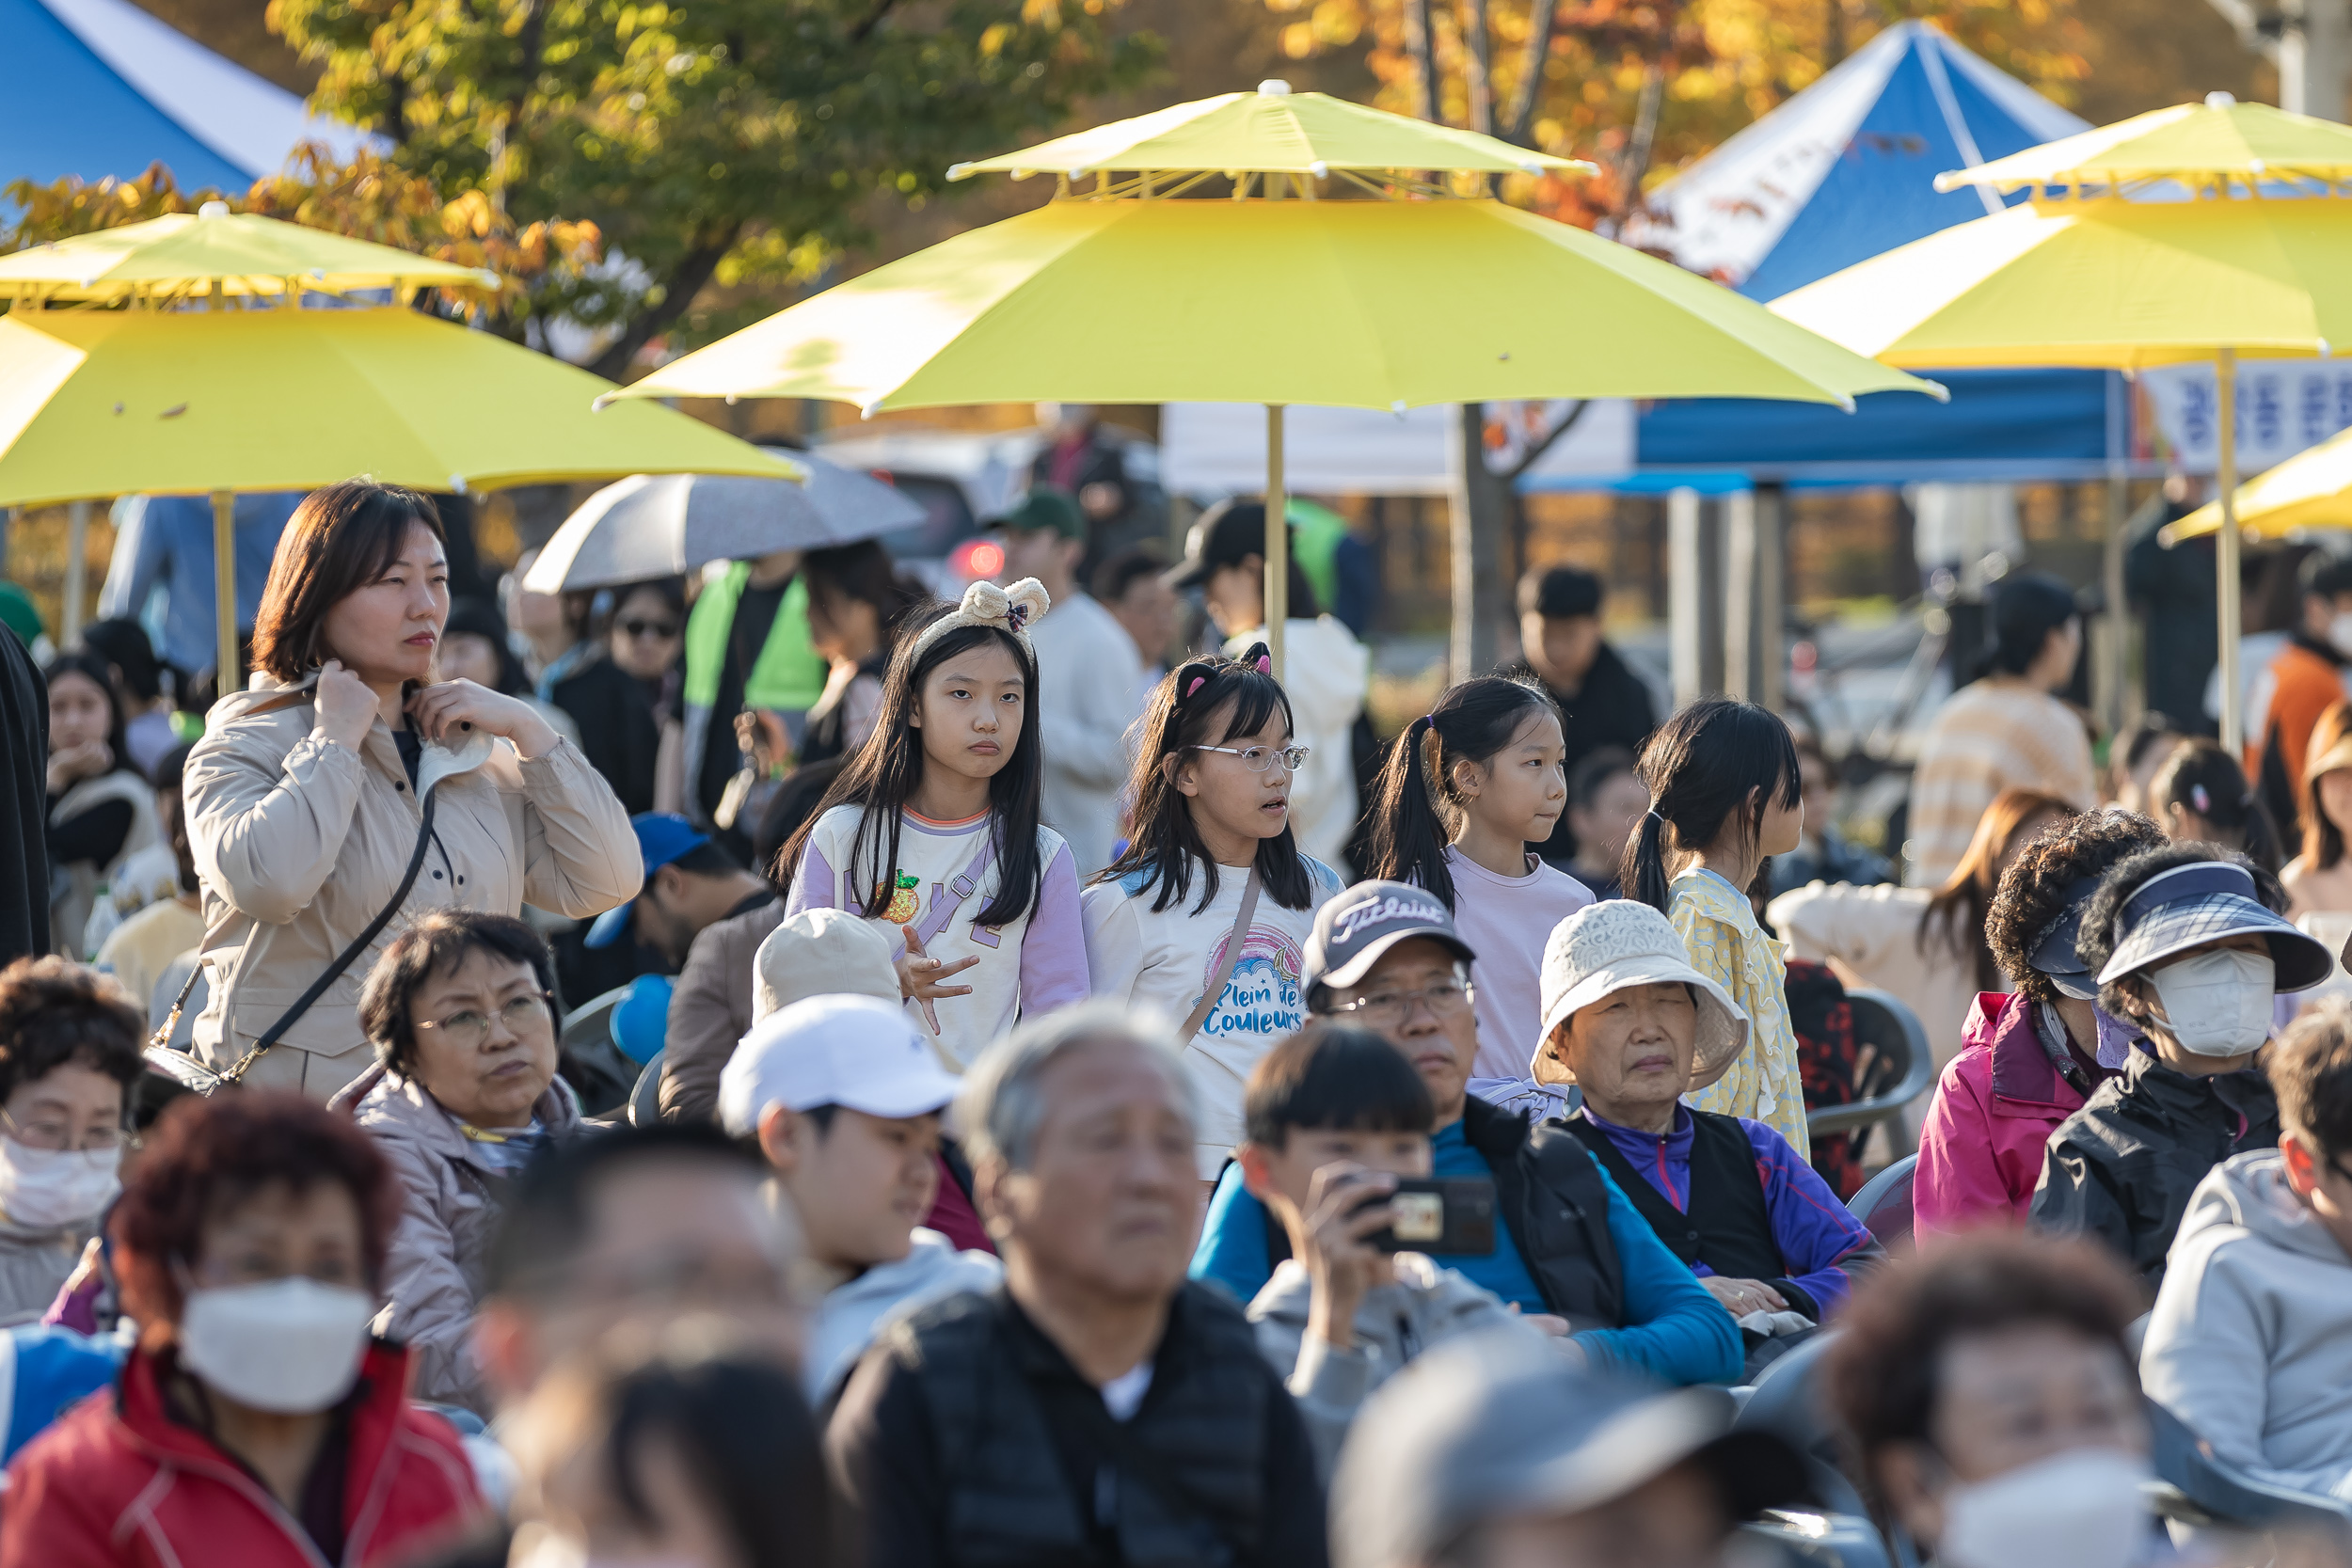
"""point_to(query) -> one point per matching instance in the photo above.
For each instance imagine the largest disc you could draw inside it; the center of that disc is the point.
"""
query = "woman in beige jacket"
(302, 796)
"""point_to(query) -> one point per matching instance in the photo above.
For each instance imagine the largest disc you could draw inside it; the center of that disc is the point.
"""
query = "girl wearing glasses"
(1211, 858)
(931, 829)
(463, 1094)
(68, 1054)
(1467, 788)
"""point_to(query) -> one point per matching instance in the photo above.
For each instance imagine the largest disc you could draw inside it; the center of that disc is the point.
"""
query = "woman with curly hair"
(2029, 1058)
(258, 1422)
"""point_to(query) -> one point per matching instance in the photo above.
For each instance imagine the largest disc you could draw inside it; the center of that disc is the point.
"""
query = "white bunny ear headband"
(1011, 610)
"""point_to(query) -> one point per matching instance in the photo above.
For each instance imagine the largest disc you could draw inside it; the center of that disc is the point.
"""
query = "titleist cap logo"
(1388, 910)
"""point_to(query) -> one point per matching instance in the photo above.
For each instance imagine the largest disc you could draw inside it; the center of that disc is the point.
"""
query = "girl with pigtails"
(931, 830)
(1724, 793)
(1206, 915)
(1467, 788)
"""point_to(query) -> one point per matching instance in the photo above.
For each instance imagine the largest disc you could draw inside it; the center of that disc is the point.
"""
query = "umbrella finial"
(1274, 86)
(213, 210)
(2220, 101)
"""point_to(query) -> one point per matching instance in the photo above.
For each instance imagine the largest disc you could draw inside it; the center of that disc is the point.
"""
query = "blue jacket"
(167, 541)
(1671, 1329)
(1821, 1244)
(44, 1370)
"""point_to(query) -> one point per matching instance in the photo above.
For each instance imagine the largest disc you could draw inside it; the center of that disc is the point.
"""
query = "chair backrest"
(1885, 1022)
(1883, 1203)
(2204, 1489)
(592, 1021)
(644, 1101)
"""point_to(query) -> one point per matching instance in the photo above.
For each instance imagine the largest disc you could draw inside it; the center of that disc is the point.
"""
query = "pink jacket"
(1980, 1151)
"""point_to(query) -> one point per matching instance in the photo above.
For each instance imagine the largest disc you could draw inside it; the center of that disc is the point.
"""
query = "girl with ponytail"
(1467, 788)
(1206, 915)
(1726, 794)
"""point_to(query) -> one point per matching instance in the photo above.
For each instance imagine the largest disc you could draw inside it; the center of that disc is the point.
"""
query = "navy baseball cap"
(1353, 931)
(662, 837)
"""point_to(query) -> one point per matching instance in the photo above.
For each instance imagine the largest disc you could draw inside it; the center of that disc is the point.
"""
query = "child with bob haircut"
(1205, 917)
(932, 832)
(1725, 793)
(1468, 787)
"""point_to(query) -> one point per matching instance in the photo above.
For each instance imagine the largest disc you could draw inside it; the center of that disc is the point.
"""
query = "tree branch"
(1478, 68)
(1425, 69)
(871, 20)
(1529, 90)
(685, 281)
(1535, 453)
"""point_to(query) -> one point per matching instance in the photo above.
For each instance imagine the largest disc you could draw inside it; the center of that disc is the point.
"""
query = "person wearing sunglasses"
(463, 1095)
(69, 1044)
(618, 700)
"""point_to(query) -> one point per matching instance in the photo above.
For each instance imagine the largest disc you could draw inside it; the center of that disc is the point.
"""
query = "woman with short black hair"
(101, 812)
(69, 1044)
(461, 1011)
(302, 798)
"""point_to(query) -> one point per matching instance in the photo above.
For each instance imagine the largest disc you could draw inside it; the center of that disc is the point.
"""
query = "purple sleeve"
(812, 884)
(76, 1308)
(1821, 1243)
(1054, 952)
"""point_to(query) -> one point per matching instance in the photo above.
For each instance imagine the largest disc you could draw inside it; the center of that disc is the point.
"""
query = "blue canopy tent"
(1844, 171)
(100, 87)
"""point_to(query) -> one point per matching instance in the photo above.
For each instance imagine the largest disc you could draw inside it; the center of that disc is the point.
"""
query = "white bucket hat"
(1618, 942)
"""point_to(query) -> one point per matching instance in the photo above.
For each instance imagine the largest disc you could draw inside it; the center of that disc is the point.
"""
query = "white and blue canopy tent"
(100, 87)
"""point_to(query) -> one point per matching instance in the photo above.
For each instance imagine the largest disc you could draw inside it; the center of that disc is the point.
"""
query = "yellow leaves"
(1298, 39)
(1040, 13)
(993, 40)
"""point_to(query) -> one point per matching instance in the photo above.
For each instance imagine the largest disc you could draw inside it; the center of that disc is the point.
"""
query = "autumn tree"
(724, 141)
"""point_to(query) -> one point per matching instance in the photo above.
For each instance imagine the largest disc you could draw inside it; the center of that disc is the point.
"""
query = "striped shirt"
(1995, 733)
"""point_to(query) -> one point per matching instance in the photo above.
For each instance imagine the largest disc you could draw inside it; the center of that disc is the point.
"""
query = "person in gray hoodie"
(842, 1095)
(1335, 1115)
(2251, 1341)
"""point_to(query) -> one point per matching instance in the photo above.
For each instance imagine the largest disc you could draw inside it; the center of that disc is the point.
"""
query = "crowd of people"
(795, 1072)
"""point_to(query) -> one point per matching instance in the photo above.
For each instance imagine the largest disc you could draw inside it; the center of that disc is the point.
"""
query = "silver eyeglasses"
(469, 1030)
(1259, 758)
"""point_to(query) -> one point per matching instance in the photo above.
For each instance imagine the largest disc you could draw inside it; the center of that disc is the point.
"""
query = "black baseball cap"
(1354, 929)
(1227, 534)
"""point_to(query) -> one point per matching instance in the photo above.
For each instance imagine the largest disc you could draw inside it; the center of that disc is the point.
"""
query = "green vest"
(788, 675)
(1315, 536)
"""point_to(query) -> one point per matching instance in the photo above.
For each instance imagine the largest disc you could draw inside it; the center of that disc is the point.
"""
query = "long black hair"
(93, 668)
(2200, 777)
(1702, 766)
(1205, 702)
(1412, 815)
(884, 774)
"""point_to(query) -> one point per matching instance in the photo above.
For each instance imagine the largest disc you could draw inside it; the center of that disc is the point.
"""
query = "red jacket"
(117, 1483)
(1995, 1109)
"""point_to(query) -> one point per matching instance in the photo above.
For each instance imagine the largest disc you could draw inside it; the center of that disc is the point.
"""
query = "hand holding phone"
(1345, 1205)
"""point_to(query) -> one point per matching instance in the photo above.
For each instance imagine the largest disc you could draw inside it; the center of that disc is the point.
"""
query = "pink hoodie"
(1980, 1151)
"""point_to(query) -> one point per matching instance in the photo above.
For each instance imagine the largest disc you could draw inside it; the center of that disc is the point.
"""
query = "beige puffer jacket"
(451, 1199)
(299, 840)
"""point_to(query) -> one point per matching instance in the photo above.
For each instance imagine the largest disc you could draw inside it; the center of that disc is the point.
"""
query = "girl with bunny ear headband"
(931, 829)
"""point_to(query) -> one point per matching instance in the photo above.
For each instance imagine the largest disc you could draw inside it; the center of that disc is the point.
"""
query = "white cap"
(852, 1051)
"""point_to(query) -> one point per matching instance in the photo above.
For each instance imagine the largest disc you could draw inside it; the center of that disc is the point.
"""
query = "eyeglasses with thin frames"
(53, 1135)
(1259, 758)
(1445, 998)
(470, 1030)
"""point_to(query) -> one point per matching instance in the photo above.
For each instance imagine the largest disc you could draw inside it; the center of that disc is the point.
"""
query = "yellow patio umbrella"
(2254, 262)
(2312, 489)
(1272, 295)
(213, 249)
(118, 402)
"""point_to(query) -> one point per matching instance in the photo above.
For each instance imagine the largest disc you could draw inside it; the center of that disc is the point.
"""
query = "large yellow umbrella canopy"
(96, 403)
(2312, 489)
(2243, 266)
(173, 257)
(1353, 304)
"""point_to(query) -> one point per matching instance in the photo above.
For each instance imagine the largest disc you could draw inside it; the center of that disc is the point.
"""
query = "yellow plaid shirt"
(1727, 945)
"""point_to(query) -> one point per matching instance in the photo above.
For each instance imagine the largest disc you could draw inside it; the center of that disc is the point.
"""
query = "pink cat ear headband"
(1257, 657)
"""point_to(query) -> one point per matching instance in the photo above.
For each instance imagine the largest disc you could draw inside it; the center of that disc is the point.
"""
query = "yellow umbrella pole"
(2226, 553)
(230, 677)
(1278, 539)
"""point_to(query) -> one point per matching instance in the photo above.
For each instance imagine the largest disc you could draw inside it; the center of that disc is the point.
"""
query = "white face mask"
(2081, 1509)
(2217, 1003)
(2340, 634)
(49, 1187)
(289, 1346)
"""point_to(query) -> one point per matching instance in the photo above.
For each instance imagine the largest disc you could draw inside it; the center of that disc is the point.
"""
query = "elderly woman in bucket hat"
(1635, 1026)
(2189, 955)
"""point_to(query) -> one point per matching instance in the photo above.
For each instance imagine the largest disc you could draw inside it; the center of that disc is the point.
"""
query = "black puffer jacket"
(2122, 1167)
(966, 1437)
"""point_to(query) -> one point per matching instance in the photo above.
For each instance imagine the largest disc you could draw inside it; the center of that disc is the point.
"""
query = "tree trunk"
(1478, 67)
(1425, 69)
(1529, 90)
(685, 281)
(1644, 134)
(1480, 514)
